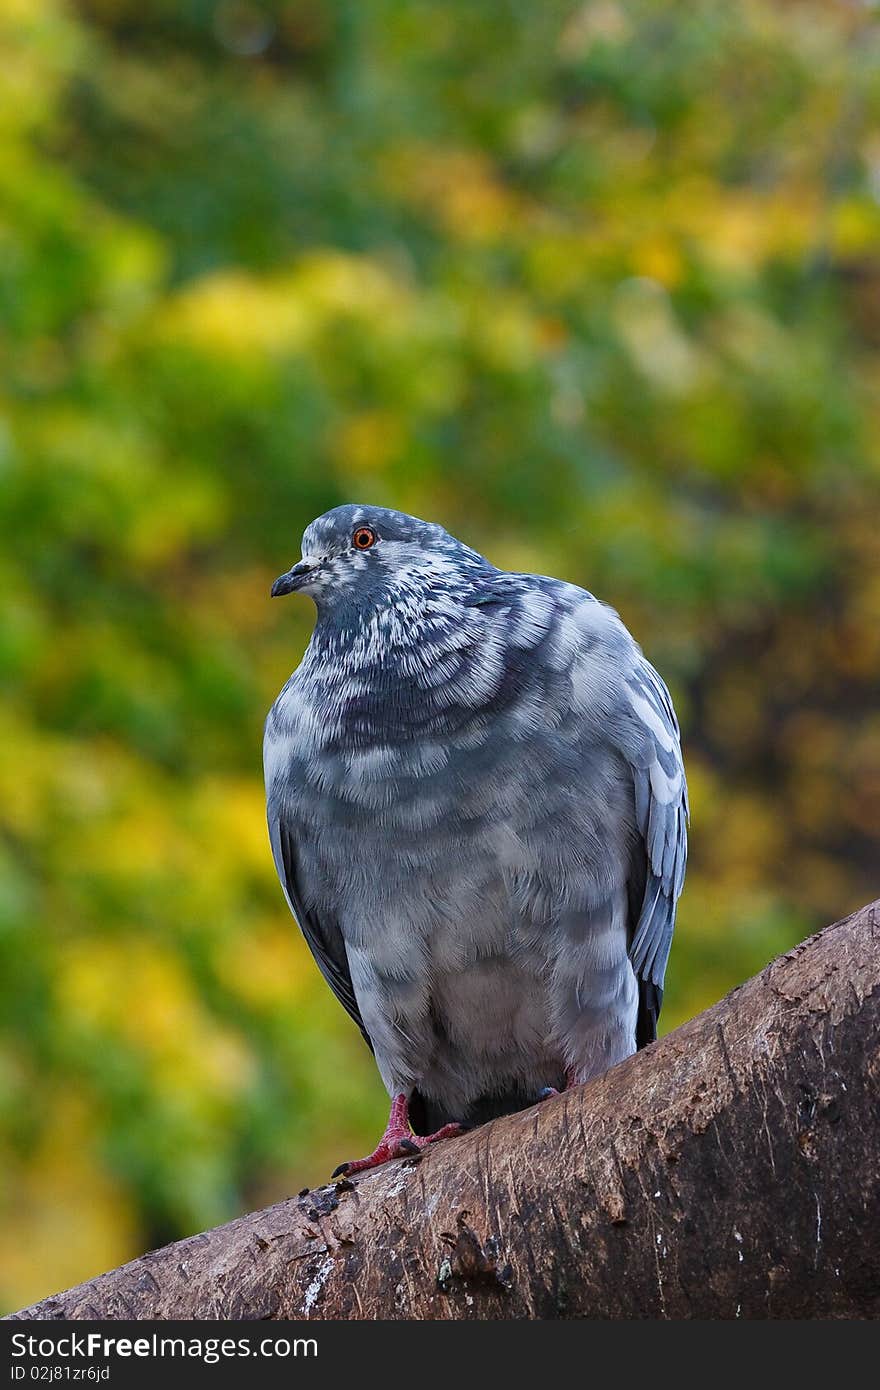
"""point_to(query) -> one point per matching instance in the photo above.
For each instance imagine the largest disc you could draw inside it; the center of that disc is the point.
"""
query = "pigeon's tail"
(427, 1115)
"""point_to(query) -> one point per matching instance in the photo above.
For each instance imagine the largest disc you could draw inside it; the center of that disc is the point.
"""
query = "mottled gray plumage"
(477, 809)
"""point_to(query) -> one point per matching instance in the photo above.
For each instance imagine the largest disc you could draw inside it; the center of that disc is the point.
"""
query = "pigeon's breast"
(461, 744)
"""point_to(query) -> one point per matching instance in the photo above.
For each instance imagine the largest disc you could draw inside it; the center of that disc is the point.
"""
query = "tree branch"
(730, 1170)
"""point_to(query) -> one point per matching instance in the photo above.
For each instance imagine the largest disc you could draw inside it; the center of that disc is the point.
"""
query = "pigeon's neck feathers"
(393, 654)
(407, 604)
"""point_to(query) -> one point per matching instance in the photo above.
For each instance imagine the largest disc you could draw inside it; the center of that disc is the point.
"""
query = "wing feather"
(323, 938)
(652, 746)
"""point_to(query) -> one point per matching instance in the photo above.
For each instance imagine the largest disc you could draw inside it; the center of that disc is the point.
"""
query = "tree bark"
(730, 1170)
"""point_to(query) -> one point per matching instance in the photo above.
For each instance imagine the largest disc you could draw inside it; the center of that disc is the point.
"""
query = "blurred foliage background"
(595, 284)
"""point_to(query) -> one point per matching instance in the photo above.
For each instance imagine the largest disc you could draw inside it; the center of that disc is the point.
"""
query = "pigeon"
(478, 812)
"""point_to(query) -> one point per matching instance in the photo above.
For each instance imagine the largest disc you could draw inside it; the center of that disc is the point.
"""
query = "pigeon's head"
(370, 556)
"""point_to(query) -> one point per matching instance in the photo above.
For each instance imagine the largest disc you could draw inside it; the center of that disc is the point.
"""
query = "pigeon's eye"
(363, 538)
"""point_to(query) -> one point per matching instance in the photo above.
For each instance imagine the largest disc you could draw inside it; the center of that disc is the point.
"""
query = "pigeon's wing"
(323, 937)
(650, 742)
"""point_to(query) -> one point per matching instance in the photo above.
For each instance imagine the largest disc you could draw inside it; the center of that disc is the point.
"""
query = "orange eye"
(363, 538)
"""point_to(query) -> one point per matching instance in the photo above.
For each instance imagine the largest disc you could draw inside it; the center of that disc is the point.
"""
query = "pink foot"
(398, 1141)
(548, 1091)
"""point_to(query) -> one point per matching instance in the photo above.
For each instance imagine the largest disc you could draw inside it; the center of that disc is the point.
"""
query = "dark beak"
(292, 580)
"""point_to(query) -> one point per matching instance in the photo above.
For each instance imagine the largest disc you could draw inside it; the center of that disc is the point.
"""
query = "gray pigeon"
(478, 813)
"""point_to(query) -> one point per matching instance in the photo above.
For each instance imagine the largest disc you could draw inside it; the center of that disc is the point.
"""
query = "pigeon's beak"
(293, 579)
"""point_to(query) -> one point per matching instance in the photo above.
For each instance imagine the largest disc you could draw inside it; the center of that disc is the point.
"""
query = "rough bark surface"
(730, 1170)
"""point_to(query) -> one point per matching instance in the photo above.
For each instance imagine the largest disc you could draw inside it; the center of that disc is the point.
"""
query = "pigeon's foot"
(398, 1141)
(548, 1091)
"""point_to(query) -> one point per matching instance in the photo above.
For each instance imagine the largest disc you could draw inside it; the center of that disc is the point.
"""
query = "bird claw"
(396, 1145)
